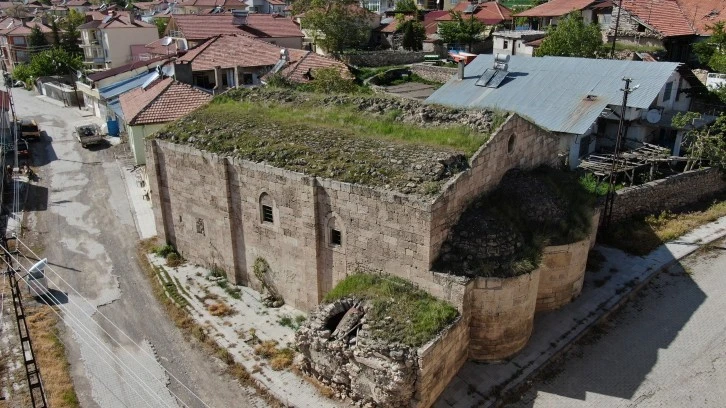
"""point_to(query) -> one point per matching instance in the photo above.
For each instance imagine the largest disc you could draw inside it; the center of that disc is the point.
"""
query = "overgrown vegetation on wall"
(502, 234)
(401, 312)
(384, 142)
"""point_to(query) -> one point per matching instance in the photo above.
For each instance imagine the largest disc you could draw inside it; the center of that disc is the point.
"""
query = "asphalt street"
(78, 216)
(666, 348)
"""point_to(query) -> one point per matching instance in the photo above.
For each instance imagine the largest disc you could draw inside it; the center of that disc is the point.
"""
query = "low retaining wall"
(440, 360)
(433, 73)
(383, 58)
(670, 193)
(502, 314)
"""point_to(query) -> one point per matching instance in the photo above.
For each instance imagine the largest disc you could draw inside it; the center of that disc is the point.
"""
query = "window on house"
(506, 45)
(19, 40)
(248, 79)
(267, 214)
(667, 92)
(200, 226)
(678, 91)
(336, 238)
(585, 145)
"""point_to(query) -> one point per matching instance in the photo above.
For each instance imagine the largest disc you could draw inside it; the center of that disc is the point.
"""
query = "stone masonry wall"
(517, 144)
(670, 193)
(502, 314)
(191, 210)
(381, 230)
(433, 73)
(440, 360)
(383, 58)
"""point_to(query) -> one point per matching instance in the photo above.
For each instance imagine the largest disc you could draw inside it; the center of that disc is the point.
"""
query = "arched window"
(267, 205)
(510, 144)
(334, 232)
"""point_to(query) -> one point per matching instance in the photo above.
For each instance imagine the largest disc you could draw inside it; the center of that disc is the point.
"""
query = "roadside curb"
(612, 305)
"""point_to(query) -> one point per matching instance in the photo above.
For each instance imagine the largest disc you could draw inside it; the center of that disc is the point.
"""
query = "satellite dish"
(166, 41)
(653, 116)
(37, 269)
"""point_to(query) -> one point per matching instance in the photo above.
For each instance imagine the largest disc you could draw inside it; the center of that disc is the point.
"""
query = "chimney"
(239, 17)
(461, 69)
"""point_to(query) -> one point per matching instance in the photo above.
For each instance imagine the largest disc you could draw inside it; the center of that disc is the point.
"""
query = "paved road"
(667, 348)
(81, 217)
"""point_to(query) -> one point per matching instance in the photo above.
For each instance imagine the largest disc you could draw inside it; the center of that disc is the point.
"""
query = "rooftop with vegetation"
(503, 233)
(400, 311)
(377, 141)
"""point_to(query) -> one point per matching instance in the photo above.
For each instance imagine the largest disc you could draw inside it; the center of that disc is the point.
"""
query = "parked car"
(89, 135)
(28, 129)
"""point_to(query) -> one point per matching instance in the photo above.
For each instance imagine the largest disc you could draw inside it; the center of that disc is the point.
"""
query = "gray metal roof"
(552, 91)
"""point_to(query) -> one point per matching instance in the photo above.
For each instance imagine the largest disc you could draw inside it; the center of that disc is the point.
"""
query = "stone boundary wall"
(440, 360)
(502, 315)
(383, 58)
(670, 193)
(433, 73)
(516, 144)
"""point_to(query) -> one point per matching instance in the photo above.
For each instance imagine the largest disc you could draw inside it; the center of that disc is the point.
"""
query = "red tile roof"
(156, 48)
(556, 8)
(214, 3)
(392, 27)
(430, 22)
(303, 64)
(228, 51)
(703, 12)
(665, 16)
(489, 13)
(163, 101)
(13, 26)
(277, 2)
(117, 20)
(203, 26)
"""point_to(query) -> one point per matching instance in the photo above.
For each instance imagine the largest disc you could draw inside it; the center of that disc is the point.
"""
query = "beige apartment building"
(107, 43)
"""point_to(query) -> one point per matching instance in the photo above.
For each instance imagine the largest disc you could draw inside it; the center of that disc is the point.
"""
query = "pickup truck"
(89, 135)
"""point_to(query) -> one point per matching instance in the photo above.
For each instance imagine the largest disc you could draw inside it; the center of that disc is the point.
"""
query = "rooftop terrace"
(382, 142)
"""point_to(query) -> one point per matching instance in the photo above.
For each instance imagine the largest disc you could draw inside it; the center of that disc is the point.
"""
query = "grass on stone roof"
(401, 312)
(348, 120)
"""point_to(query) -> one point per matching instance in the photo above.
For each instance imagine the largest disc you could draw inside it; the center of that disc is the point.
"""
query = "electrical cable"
(90, 335)
(111, 322)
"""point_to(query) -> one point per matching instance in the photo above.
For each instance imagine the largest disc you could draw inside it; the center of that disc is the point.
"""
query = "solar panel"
(470, 9)
(486, 77)
(491, 78)
(106, 19)
(497, 79)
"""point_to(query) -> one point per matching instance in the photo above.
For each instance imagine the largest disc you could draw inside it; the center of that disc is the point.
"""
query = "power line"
(89, 335)
(111, 322)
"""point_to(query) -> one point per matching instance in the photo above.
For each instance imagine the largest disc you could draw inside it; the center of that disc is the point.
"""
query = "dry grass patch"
(192, 329)
(280, 359)
(220, 309)
(51, 357)
(641, 236)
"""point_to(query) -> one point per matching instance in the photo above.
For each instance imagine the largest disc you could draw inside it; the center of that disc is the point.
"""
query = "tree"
(461, 31)
(329, 80)
(572, 38)
(707, 144)
(414, 34)
(17, 11)
(55, 61)
(404, 6)
(712, 52)
(71, 35)
(161, 24)
(37, 39)
(335, 25)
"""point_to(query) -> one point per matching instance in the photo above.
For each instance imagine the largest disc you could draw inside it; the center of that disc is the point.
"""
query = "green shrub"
(164, 250)
(173, 260)
(403, 312)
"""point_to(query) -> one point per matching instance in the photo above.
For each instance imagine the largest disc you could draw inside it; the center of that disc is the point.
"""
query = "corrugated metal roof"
(126, 85)
(552, 91)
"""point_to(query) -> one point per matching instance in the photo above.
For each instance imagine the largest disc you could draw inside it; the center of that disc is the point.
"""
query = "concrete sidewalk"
(484, 384)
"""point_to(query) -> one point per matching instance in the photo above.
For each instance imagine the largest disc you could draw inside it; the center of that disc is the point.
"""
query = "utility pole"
(32, 372)
(617, 26)
(612, 178)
